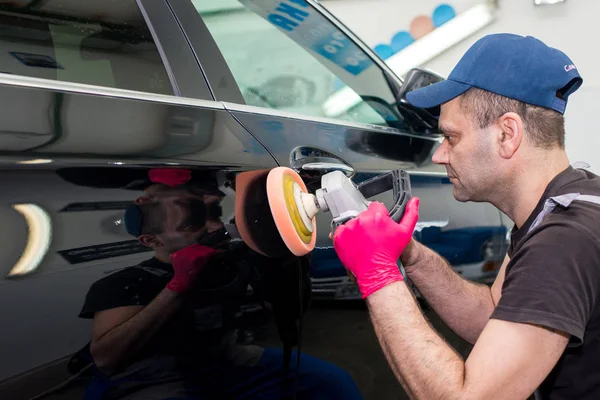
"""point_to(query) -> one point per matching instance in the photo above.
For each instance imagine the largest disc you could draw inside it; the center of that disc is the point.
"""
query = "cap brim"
(435, 95)
(133, 220)
(138, 184)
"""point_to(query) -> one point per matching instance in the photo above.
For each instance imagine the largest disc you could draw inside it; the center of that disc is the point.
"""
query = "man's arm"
(119, 333)
(462, 305)
(509, 360)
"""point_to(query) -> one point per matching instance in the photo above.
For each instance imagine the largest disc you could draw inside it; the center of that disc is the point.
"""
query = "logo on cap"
(570, 67)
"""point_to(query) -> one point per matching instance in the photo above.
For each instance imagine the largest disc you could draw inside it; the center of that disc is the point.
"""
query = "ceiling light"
(547, 2)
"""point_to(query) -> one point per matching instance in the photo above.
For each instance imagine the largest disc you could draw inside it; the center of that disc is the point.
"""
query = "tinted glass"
(290, 57)
(105, 43)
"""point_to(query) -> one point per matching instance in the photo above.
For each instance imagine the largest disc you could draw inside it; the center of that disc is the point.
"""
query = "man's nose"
(441, 154)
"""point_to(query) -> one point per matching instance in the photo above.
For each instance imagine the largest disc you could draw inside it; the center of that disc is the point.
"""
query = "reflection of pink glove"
(187, 264)
(170, 176)
(371, 244)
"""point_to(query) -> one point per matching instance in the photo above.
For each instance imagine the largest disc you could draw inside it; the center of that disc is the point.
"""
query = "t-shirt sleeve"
(129, 287)
(552, 280)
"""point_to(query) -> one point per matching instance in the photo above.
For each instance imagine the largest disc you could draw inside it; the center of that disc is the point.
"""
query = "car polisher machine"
(293, 209)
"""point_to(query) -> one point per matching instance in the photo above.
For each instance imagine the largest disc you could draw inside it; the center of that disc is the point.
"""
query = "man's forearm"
(462, 305)
(424, 364)
(122, 342)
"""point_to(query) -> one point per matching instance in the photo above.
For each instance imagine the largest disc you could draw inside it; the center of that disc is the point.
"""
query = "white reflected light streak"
(39, 236)
(35, 161)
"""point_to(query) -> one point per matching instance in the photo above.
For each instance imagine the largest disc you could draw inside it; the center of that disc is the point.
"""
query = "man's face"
(184, 218)
(150, 193)
(467, 153)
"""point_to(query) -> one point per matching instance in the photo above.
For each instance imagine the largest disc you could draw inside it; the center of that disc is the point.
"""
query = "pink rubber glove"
(170, 176)
(371, 244)
(187, 264)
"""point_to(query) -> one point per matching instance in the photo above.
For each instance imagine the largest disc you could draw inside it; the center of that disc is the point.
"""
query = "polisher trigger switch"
(341, 197)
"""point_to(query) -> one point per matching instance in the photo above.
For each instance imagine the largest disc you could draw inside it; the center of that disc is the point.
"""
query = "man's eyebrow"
(446, 129)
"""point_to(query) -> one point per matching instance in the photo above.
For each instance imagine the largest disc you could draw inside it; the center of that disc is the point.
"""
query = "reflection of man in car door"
(166, 327)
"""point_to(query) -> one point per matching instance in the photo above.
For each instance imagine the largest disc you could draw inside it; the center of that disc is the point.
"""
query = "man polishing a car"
(537, 329)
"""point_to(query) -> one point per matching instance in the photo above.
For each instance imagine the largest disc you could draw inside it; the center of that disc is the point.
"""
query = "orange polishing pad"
(253, 217)
(283, 186)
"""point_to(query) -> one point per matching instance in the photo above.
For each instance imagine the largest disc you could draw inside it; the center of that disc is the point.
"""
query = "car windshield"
(287, 55)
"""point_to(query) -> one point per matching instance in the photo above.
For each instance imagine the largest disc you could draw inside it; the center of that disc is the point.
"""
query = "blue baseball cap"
(133, 220)
(518, 67)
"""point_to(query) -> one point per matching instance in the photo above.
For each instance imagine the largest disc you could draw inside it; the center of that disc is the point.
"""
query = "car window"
(285, 55)
(105, 43)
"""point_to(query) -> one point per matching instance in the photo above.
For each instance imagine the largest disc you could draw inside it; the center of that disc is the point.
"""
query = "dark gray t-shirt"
(553, 280)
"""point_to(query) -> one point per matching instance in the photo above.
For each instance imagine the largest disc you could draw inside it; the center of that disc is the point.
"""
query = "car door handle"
(325, 166)
(318, 162)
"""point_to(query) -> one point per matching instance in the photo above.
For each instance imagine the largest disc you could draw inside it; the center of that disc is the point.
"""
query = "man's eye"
(451, 139)
(186, 227)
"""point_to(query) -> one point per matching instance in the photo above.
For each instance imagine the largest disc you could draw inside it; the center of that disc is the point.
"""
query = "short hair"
(153, 216)
(545, 128)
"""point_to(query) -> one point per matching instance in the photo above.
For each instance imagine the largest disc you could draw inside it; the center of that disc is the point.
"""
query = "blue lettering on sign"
(282, 22)
(300, 2)
(340, 50)
(321, 37)
(292, 11)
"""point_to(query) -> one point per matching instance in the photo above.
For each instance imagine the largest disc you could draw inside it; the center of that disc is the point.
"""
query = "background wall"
(571, 27)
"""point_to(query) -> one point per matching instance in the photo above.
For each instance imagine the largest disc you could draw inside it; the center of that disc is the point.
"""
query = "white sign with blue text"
(307, 27)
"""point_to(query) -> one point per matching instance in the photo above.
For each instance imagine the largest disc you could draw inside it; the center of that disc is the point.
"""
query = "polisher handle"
(346, 201)
(398, 181)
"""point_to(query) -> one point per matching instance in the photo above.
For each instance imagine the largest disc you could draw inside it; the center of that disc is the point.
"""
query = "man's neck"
(162, 256)
(528, 185)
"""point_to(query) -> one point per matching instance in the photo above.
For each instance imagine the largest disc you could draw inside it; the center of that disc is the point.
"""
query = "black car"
(108, 104)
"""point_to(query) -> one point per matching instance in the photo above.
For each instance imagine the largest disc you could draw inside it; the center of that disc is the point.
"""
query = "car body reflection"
(240, 319)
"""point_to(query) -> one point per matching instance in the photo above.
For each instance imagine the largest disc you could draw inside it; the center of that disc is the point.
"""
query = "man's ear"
(144, 199)
(150, 241)
(510, 135)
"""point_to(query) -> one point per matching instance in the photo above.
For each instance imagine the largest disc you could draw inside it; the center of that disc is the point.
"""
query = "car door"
(298, 78)
(96, 96)
(310, 91)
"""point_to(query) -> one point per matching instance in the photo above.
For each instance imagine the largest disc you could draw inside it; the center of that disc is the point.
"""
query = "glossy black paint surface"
(63, 213)
(364, 147)
(104, 126)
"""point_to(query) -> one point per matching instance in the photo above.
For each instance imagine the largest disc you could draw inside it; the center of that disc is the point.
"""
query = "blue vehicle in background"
(475, 253)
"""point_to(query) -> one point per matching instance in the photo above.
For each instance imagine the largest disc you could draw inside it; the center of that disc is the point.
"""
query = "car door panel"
(91, 133)
(108, 123)
(282, 132)
(292, 105)
(285, 56)
(73, 156)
